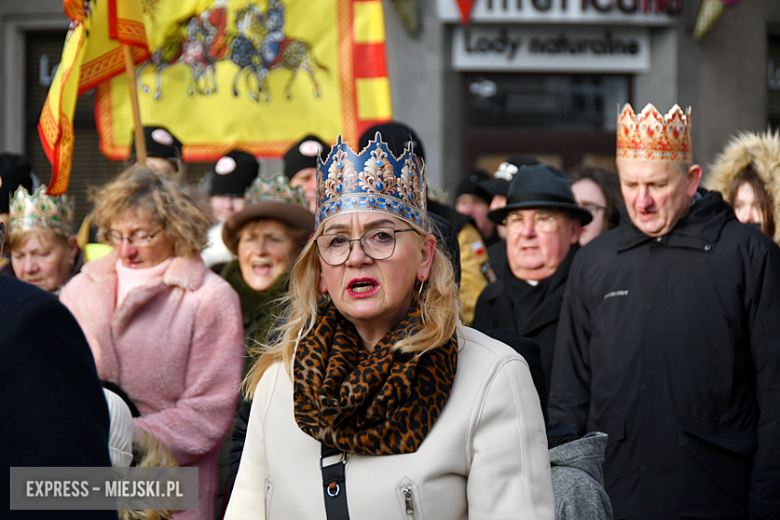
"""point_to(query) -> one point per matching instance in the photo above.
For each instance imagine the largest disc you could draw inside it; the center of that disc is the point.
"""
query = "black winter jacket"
(53, 409)
(532, 311)
(671, 346)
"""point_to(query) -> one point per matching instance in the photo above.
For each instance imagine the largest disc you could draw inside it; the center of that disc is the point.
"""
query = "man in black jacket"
(669, 340)
(543, 223)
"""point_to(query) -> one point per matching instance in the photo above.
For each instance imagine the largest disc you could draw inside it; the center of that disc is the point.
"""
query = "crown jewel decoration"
(653, 136)
(275, 189)
(506, 171)
(41, 211)
(373, 180)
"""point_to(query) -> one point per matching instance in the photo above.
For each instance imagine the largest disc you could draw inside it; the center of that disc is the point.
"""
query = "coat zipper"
(268, 490)
(409, 503)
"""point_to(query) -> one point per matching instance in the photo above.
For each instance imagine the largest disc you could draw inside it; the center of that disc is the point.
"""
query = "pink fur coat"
(175, 345)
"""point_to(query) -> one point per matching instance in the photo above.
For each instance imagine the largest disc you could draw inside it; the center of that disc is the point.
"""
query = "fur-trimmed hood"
(760, 150)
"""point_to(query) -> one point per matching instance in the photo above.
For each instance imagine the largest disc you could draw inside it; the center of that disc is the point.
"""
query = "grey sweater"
(578, 481)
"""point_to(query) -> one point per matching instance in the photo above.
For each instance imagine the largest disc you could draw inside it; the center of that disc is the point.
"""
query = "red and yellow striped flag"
(91, 55)
(254, 74)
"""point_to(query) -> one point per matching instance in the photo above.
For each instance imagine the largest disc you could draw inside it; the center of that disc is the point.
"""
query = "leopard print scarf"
(378, 403)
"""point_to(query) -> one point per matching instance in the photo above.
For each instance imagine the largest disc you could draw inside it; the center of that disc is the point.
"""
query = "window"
(561, 119)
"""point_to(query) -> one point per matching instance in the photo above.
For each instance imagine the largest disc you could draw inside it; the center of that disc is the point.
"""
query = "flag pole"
(140, 143)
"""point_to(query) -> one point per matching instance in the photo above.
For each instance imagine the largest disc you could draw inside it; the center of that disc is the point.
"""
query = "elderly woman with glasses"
(265, 237)
(162, 326)
(372, 401)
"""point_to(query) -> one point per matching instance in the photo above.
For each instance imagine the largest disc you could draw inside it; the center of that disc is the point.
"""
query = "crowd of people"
(332, 342)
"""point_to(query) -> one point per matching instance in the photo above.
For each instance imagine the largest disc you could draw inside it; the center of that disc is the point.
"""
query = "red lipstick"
(362, 287)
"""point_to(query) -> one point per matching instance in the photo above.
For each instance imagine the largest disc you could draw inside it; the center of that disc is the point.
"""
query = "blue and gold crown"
(41, 211)
(373, 180)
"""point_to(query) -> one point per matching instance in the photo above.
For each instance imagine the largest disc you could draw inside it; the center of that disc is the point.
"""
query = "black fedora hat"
(540, 186)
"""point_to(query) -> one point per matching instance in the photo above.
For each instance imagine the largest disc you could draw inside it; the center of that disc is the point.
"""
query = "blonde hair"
(181, 209)
(18, 239)
(438, 302)
(149, 452)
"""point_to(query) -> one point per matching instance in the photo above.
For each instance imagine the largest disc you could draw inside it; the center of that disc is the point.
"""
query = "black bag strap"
(334, 484)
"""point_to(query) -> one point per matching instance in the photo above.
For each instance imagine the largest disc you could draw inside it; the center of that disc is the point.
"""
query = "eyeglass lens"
(593, 209)
(542, 222)
(141, 238)
(378, 244)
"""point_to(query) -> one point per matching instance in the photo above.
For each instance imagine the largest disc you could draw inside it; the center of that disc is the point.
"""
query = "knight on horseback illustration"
(274, 27)
(257, 45)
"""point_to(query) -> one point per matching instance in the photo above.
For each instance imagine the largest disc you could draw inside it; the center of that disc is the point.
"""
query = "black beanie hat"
(398, 137)
(303, 154)
(469, 185)
(160, 143)
(233, 173)
(14, 172)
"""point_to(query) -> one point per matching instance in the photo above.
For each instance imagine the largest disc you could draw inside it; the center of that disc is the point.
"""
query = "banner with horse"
(253, 74)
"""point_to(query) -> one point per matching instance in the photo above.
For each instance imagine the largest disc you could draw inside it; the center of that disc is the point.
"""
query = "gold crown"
(41, 211)
(653, 136)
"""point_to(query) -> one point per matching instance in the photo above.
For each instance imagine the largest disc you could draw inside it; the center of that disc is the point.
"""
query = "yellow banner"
(90, 56)
(251, 74)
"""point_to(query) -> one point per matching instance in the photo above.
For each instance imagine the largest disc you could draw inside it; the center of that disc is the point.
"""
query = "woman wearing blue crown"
(373, 401)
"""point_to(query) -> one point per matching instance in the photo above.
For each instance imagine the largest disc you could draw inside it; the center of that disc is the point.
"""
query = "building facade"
(545, 77)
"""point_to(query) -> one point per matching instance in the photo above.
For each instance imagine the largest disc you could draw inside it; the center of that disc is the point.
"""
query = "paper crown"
(653, 136)
(41, 211)
(373, 180)
(275, 189)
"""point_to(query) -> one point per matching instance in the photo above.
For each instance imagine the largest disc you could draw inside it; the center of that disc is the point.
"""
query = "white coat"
(485, 457)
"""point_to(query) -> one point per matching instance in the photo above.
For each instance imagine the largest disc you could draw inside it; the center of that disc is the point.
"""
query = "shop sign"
(615, 12)
(551, 48)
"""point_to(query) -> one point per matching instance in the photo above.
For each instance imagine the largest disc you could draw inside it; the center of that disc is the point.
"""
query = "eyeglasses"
(378, 244)
(593, 209)
(541, 222)
(137, 239)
